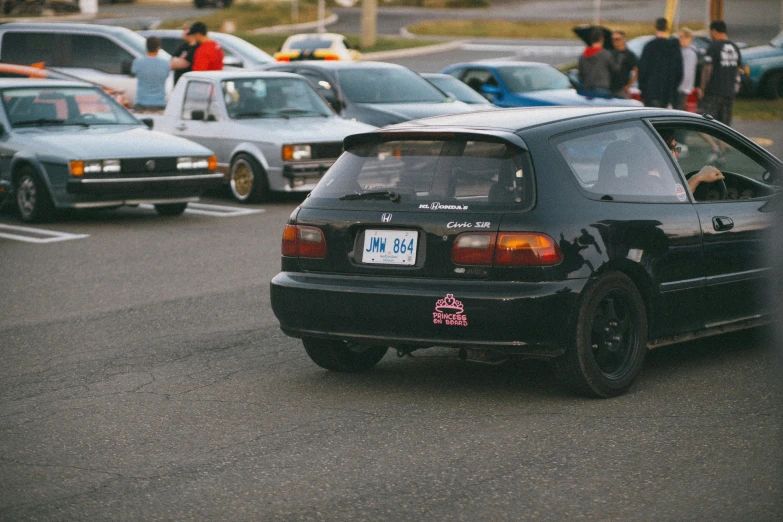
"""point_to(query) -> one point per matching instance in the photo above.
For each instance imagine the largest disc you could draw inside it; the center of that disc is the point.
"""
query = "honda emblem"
(385, 218)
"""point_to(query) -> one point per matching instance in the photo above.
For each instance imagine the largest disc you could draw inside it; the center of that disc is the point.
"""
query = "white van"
(97, 53)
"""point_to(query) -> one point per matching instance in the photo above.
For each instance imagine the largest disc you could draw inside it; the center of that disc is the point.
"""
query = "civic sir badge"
(385, 218)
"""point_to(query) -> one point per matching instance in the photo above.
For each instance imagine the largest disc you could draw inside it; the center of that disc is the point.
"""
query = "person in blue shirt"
(151, 74)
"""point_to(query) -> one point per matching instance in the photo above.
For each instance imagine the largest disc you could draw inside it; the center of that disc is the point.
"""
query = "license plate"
(390, 247)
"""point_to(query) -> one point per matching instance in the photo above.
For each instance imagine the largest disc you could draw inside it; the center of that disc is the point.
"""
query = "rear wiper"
(381, 194)
(294, 110)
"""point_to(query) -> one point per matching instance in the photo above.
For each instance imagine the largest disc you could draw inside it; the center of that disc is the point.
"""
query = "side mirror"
(336, 104)
(197, 115)
(149, 122)
(125, 67)
(233, 61)
(490, 92)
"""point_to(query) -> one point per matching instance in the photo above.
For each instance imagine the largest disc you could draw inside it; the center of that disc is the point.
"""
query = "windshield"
(45, 106)
(533, 78)
(245, 48)
(272, 98)
(387, 85)
(431, 173)
(461, 91)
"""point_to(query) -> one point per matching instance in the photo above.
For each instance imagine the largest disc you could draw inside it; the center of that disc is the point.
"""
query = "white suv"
(97, 53)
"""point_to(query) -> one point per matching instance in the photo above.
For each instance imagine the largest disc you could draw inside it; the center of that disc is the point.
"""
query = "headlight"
(193, 163)
(296, 152)
(79, 168)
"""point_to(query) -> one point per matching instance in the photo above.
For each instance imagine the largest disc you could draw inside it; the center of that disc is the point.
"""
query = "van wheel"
(32, 197)
(773, 87)
(248, 180)
(610, 339)
(343, 356)
(170, 209)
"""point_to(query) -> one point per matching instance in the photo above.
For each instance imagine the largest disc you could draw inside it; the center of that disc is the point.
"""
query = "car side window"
(97, 52)
(745, 175)
(477, 78)
(199, 102)
(622, 162)
(29, 47)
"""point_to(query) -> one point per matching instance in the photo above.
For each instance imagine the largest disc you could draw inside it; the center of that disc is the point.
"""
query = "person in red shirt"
(209, 54)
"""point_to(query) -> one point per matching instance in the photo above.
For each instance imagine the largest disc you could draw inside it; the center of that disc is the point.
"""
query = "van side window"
(28, 47)
(199, 96)
(96, 52)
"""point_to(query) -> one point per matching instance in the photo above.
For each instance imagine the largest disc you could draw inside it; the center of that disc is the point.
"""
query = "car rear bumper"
(512, 317)
(138, 188)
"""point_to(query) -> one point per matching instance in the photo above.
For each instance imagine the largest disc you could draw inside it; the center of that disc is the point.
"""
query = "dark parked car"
(374, 92)
(69, 145)
(567, 234)
(527, 84)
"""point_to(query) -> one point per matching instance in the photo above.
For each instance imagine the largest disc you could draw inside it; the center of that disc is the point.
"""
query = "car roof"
(517, 119)
(341, 64)
(233, 74)
(498, 64)
(64, 27)
(38, 82)
(320, 36)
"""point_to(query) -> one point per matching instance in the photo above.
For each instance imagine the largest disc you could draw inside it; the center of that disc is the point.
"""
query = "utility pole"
(716, 10)
(596, 12)
(369, 22)
(321, 16)
(294, 11)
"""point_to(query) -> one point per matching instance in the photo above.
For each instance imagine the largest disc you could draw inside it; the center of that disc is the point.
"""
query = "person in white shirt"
(689, 61)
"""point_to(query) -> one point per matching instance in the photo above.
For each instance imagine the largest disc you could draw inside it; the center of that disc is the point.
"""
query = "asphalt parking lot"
(144, 377)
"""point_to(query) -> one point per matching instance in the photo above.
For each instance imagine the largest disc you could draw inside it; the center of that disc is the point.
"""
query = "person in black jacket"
(660, 68)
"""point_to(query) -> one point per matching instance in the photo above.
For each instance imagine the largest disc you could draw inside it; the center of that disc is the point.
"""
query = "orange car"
(37, 70)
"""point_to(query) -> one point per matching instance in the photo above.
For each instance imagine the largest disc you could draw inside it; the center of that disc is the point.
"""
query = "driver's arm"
(707, 174)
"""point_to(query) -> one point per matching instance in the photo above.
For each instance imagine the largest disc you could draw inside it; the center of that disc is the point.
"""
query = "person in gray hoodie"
(597, 65)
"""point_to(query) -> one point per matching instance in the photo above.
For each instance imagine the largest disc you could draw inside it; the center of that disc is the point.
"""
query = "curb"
(413, 51)
(295, 27)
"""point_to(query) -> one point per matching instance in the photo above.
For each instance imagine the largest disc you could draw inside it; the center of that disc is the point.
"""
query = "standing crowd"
(667, 70)
(197, 53)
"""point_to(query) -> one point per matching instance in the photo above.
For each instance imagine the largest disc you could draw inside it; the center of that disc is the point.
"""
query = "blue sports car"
(527, 84)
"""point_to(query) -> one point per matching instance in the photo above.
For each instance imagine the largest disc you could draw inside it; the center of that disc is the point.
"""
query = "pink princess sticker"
(449, 311)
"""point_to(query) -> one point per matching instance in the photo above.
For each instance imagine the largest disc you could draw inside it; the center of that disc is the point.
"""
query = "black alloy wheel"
(610, 339)
(343, 356)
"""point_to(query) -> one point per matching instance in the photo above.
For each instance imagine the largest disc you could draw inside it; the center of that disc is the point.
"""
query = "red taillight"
(505, 249)
(473, 249)
(330, 57)
(299, 241)
(283, 59)
(526, 249)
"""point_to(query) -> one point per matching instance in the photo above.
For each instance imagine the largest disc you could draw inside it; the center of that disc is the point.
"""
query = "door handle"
(721, 223)
(181, 126)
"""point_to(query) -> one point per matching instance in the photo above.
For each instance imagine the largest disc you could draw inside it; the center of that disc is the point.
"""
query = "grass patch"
(271, 42)
(758, 109)
(506, 29)
(247, 17)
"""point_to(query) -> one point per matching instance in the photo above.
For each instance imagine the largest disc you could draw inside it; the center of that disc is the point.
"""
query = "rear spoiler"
(419, 133)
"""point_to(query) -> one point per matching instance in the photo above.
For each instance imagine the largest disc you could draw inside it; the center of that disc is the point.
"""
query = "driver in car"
(707, 174)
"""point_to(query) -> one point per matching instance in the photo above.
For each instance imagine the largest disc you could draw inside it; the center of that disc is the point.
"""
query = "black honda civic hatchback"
(583, 236)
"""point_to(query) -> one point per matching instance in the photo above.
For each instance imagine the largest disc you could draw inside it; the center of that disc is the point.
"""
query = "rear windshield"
(453, 174)
(387, 85)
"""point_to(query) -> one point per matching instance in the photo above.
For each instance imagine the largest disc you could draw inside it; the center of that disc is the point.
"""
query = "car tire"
(199, 4)
(343, 356)
(226, 4)
(247, 180)
(170, 209)
(610, 339)
(773, 86)
(32, 197)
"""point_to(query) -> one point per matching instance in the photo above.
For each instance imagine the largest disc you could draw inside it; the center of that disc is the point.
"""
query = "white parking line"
(214, 210)
(37, 235)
